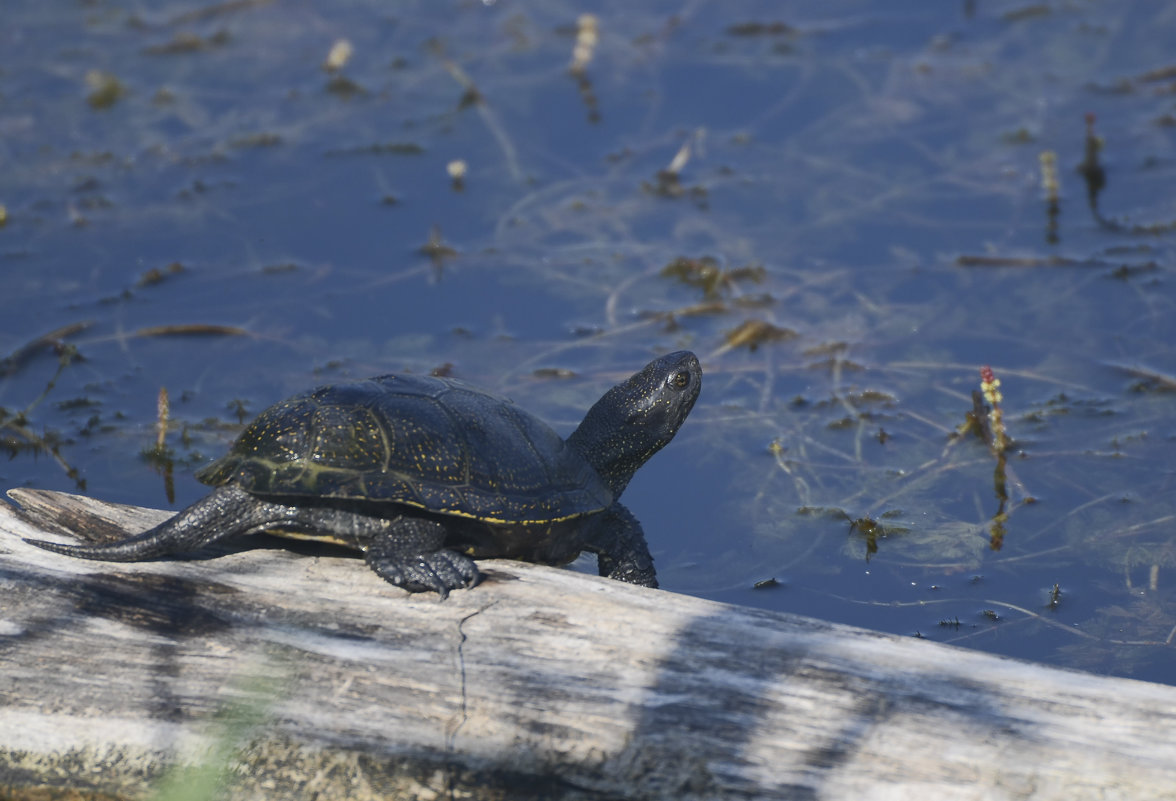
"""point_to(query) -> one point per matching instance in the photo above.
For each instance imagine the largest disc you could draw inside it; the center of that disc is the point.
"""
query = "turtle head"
(636, 418)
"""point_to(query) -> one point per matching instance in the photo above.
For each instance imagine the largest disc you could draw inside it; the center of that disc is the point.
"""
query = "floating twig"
(191, 329)
(1049, 182)
(163, 409)
(751, 334)
(457, 170)
(1091, 168)
(587, 37)
(338, 56)
(218, 9)
(54, 339)
(1150, 379)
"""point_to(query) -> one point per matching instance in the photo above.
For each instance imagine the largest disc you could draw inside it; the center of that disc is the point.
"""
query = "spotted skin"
(425, 474)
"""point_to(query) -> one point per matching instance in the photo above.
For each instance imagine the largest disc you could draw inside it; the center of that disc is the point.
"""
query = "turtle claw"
(439, 571)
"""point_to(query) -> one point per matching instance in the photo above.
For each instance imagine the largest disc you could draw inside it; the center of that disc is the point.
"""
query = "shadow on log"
(282, 675)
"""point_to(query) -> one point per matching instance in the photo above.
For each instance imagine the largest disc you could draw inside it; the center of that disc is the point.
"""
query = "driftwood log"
(282, 675)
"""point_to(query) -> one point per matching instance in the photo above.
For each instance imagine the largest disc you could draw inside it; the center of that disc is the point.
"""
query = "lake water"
(841, 207)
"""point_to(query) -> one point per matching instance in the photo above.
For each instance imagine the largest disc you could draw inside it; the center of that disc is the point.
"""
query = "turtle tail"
(226, 511)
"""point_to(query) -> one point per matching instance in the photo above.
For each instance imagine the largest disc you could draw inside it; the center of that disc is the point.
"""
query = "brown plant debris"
(751, 334)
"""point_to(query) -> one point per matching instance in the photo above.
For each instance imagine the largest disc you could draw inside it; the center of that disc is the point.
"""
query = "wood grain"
(287, 674)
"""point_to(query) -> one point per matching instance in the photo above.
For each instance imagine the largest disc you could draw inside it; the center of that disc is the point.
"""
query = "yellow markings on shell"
(405, 453)
(488, 518)
(307, 537)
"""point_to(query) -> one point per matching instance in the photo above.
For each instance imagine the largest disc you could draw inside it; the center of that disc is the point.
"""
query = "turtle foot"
(439, 571)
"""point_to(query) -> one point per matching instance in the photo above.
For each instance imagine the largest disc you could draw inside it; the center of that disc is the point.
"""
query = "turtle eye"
(680, 379)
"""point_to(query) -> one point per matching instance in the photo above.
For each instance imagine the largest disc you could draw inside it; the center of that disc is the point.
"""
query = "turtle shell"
(432, 443)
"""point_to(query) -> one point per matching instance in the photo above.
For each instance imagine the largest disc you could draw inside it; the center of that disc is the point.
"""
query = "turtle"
(424, 474)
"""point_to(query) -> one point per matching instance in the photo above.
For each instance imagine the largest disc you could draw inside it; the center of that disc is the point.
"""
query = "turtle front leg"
(410, 554)
(620, 547)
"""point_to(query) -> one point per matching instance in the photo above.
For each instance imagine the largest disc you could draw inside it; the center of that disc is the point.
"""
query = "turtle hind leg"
(410, 554)
(226, 511)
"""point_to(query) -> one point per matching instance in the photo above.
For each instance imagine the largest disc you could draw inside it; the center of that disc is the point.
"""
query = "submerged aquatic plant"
(998, 438)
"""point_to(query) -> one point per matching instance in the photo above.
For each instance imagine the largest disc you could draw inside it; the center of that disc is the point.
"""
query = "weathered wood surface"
(317, 680)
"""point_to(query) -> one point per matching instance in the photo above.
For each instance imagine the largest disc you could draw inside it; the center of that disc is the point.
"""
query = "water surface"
(193, 203)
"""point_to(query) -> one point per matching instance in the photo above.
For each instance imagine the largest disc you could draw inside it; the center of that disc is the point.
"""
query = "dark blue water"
(852, 152)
